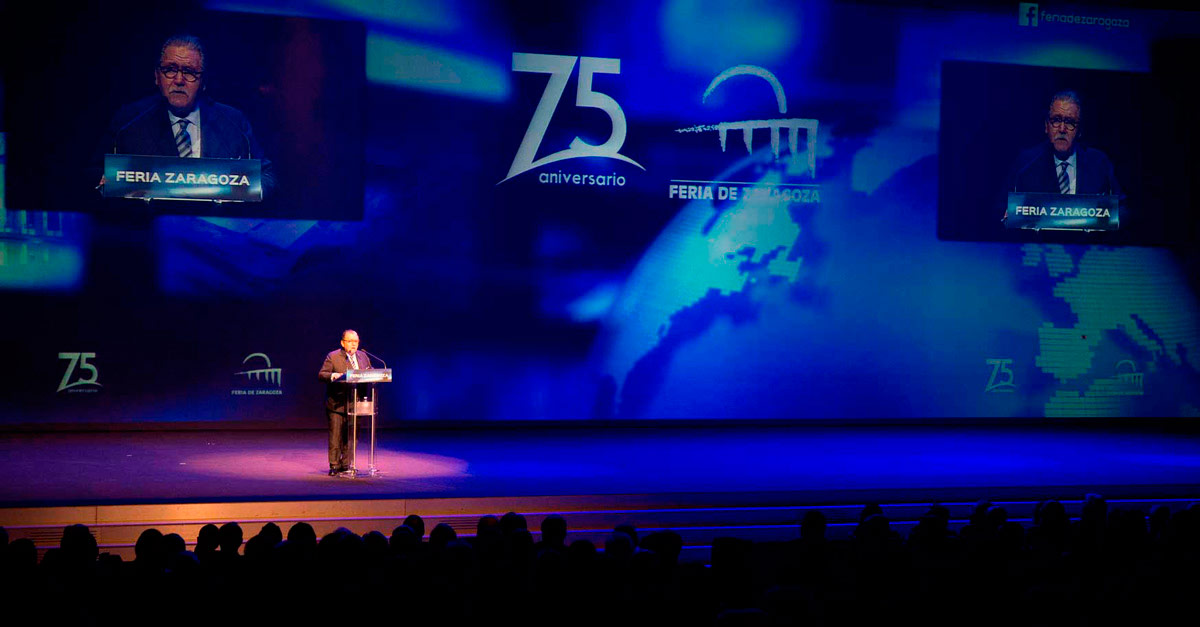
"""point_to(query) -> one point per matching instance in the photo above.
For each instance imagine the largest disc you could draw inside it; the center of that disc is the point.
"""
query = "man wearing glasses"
(180, 120)
(1063, 165)
(337, 397)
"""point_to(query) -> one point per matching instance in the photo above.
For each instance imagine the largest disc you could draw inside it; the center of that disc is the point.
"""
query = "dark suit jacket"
(1034, 171)
(143, 128)
(336, 394)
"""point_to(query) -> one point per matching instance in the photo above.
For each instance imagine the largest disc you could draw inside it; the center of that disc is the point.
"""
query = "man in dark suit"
(337, 396)
(1063, 165)
(180, 120)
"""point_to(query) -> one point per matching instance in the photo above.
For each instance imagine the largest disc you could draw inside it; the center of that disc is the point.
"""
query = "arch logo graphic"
(261, 379)
(801, 161)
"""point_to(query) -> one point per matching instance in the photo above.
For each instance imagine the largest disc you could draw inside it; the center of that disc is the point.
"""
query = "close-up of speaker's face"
(1062, 126)
(179, 77)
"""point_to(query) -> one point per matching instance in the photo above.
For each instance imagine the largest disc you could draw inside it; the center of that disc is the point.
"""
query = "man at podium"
(180, 120)
(337, 362)
(1063, 165)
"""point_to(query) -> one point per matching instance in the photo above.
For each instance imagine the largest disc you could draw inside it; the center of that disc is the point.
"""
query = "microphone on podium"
(373, 356)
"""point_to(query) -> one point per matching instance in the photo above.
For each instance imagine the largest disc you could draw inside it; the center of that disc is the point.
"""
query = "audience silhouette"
(1109, 566)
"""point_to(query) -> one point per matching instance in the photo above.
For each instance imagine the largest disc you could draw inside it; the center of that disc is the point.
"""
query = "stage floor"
(761, 465)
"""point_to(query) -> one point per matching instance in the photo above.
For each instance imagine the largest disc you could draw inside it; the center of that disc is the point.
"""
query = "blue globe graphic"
(851, 307)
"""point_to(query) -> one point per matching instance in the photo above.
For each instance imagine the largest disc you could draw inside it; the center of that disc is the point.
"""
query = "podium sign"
(1064, 212)
(369, 375)
(150, 177)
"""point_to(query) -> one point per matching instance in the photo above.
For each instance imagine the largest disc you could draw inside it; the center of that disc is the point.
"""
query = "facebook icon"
(1027, 14)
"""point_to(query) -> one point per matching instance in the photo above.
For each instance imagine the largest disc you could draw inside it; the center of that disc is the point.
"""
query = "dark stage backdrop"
(608, 210)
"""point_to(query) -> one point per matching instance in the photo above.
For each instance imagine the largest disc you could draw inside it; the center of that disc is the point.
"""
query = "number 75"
(82, 360)
(559, 68)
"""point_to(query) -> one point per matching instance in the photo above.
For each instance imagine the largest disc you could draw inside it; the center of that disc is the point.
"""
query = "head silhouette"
(554, 530)
(442, 535)
(230, 538)
(416, 523)
(149, 551)
(78, 545)
(813, 526)
(302, 534)
(271, 533)
(404, 541)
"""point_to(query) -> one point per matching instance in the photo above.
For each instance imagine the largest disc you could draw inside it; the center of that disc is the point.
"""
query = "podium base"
(355, 473)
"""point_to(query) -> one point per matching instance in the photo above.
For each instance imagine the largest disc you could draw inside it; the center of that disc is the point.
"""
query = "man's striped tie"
(183, 140)
(1064, 180)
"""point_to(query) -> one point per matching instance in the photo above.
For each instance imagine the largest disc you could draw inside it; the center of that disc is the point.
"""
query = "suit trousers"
(339, 440)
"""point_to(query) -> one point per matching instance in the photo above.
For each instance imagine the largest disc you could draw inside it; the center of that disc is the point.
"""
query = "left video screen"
(264, 113)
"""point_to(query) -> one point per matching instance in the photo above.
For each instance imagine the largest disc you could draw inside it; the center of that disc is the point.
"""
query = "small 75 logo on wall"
(78, 361)
(1002, 376)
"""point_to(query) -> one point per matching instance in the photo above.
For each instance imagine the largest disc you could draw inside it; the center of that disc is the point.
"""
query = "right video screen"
(1043, 131)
